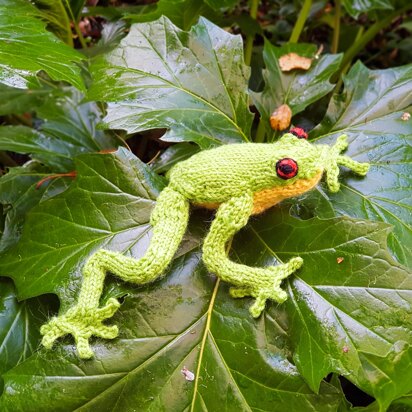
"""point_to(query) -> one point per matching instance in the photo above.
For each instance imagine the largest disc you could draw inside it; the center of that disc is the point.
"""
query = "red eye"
(286, 168)
(299, 132)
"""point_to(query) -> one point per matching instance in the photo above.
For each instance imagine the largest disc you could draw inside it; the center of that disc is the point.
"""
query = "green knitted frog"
(239, 180)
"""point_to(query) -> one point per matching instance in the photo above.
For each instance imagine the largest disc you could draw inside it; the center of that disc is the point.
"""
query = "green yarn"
(239, 180)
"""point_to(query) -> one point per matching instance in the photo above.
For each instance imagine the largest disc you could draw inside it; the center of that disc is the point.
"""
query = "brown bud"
(280, 118)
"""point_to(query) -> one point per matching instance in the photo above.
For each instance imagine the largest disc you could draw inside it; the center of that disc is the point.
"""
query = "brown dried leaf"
(281, 117)
(292, 61)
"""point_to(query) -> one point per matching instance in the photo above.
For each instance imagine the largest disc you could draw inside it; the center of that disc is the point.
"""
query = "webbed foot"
(266, 285)
(82, 323)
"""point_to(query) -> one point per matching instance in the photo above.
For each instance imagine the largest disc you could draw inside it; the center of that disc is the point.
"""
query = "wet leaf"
(186, 319)
(297, 89)
(30, 47)
(19, 326)
(369, 111)
(194, 84)
(352, 318)
(68, 129)
(127, 219)
(19, 194)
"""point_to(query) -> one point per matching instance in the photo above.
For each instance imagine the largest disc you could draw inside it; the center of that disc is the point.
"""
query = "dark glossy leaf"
(186, 319)
(352, 317)
(119, 220)
(68, 129)
(19, 101)
(172, 155)
(58, 21)
(370, 112)
(28, 48)
(18, 194)
(356, 7)
(19, 326)
(194, 84)
(298, 89)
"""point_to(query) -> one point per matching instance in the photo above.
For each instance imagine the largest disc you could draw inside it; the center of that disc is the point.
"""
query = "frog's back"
(218, 174)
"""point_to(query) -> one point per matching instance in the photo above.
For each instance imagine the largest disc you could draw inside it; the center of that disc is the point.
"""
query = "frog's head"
(302, 160)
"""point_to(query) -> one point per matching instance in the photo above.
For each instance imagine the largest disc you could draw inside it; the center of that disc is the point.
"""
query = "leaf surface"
(352, 317)
(19, 326)
(30, 48)
(194, 84)
(298, 89)
(369, 111)
(186, 319)
(68, 129)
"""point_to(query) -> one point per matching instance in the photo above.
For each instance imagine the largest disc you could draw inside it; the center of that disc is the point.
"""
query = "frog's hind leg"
(261, 283)
(169, 221)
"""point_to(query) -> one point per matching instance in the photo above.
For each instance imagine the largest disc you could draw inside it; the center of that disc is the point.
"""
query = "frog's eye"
(286, 168)
(299, 132)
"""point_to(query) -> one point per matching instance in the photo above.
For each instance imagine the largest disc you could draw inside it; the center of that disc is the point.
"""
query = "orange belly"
(269, 197)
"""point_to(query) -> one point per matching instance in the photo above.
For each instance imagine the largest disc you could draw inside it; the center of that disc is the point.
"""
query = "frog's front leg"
(261, 283)
(169, 220)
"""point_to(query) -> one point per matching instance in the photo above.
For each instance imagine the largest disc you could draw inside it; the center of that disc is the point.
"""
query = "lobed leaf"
(68, 129)
(369, 111)
(29, 48)
(194, 84)
(351, 316)
(298, 89)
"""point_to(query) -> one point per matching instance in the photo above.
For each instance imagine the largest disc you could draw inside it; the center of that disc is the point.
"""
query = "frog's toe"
(105, 332)
(83, 347)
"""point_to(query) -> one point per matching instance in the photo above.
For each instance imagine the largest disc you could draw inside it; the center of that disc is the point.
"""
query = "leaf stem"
(300, 22)
(251, 37)
(261, 131)
(206, 333)
(76, 26)
(346, 68)
(369, 35)
(336, 29)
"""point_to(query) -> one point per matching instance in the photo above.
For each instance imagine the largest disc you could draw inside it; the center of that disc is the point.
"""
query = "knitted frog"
(239, 180)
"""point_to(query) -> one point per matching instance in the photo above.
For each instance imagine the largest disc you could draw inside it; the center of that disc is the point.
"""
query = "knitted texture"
(239, 180)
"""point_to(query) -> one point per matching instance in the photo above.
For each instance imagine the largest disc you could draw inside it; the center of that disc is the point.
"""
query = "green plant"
(349, 310)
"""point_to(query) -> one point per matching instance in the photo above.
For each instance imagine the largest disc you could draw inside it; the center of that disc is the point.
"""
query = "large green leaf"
(298, 89)
(119, 220)
(68, 129)
(369, 111)
(352, 317)
(184, 320)
(19, 193)
(194, 84)
(58, 22)
(19, 326)
(27, 48)
(19, 101)
(189, 320)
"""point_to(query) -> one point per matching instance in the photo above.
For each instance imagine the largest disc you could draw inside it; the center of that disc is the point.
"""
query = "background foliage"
(100, 99)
